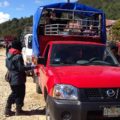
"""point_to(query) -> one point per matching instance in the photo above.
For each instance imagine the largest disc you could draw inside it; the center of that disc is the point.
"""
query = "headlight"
(65, 92)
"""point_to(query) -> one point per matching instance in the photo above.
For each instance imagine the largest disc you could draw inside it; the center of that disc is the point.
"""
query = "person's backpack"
(7, 76)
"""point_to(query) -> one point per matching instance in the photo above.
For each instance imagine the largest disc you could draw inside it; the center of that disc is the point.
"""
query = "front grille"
(106, 94)
(92, 93)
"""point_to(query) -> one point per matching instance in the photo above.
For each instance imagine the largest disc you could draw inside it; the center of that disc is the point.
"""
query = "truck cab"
(76, 72)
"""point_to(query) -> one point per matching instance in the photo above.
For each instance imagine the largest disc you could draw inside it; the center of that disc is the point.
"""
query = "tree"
(116, 30)
(110, 7)
(15, 27)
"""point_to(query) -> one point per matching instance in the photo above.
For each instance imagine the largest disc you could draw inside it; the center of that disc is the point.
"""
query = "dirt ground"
(34, 103)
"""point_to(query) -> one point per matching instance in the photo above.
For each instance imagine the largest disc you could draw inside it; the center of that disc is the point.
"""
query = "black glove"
(33, 66)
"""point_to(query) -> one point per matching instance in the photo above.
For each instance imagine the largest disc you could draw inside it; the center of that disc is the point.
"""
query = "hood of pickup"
(88, 76)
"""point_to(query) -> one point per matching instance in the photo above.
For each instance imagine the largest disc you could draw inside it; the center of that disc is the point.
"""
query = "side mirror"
(41, 60)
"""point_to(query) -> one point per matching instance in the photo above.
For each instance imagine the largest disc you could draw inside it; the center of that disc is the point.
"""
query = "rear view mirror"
(41, 60)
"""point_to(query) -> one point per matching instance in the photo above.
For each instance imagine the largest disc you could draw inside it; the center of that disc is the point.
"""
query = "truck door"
(43, 73)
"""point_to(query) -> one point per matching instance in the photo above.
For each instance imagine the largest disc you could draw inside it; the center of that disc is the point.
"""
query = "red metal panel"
(43, 40)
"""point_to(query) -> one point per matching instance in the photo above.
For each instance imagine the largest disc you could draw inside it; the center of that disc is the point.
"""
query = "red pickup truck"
(77, 74)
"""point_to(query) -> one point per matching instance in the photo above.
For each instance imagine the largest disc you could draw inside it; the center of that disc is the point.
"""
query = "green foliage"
(111, 7)
(15, 27)
(116, 30)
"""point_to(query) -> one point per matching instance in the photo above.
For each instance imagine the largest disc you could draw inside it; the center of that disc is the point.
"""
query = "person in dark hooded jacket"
(15, 65)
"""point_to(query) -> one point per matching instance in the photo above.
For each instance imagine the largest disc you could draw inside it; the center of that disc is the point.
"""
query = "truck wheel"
(35, 78)
(48, 116)
(38, 89)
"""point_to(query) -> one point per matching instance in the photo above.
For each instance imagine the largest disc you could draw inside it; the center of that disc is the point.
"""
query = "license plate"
(111, 112)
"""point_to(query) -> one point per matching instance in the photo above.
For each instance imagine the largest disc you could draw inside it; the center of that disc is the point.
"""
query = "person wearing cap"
(15, 65)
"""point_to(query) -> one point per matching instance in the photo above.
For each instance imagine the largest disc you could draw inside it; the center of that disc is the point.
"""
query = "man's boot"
(19, 110)
(8, 111)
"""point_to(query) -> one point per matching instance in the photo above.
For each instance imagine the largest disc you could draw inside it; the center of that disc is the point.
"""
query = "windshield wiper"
(117, 65)
(82, 62)
(100, 62)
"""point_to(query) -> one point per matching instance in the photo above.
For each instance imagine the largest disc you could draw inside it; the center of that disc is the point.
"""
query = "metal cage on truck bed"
(74, 20)
(71, 22)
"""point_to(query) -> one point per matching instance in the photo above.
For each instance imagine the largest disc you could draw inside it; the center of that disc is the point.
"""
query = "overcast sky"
(21, 8)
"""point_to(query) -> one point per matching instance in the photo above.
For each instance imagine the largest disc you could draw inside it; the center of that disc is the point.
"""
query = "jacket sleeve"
(20, 64)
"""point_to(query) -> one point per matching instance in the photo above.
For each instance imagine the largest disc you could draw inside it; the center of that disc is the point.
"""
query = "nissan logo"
(110, 93)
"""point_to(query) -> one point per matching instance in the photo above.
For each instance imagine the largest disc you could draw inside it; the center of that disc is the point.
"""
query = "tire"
(38, 89)
(48, 116)
(35, 78)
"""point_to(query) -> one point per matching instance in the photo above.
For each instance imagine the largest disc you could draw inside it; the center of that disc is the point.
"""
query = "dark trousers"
(17, 95)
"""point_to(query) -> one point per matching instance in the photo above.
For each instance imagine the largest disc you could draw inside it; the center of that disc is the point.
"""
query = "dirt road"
(34, 103)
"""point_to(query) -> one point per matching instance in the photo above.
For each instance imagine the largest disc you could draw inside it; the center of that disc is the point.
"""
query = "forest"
(15, 26)
(110, 7)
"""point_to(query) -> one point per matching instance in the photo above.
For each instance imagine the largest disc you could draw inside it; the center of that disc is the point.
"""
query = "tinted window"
(74, 54)
(30, 42)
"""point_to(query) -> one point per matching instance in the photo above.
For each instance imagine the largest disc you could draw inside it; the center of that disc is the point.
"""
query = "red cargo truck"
(77, 74)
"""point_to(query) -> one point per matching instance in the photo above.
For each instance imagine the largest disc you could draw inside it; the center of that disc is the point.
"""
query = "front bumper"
(76, 110)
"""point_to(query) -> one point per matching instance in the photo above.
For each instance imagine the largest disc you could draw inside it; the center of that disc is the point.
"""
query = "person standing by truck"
(17, 76)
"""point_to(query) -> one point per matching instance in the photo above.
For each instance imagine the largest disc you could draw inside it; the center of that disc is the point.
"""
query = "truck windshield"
(77, 54)
(30, 42)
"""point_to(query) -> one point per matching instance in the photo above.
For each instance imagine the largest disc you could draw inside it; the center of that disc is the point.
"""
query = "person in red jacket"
(15, 65)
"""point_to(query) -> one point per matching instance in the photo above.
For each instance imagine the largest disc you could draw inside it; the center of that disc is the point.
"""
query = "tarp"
(69, 6)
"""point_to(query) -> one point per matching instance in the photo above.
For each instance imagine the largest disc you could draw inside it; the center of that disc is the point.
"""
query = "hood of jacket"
(12, 52)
